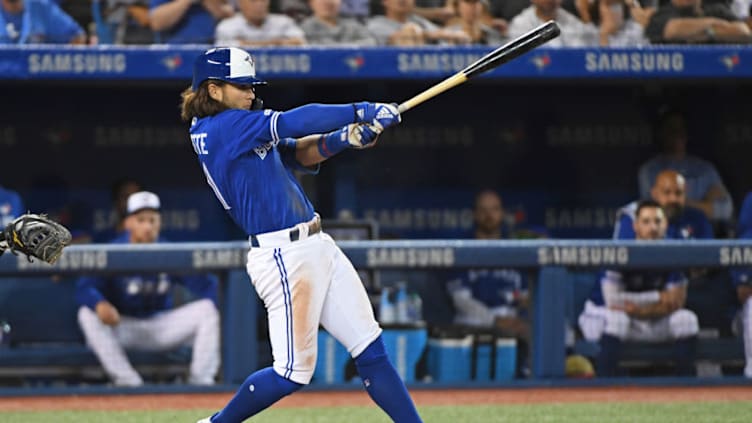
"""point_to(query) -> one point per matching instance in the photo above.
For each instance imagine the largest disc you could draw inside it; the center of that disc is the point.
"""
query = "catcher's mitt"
(35, 235)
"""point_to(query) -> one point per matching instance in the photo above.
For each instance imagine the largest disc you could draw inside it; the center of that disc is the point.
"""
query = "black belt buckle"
(294, 235)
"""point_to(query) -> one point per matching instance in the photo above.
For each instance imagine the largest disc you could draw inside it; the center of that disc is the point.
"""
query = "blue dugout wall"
(560, 133)
(552, 289)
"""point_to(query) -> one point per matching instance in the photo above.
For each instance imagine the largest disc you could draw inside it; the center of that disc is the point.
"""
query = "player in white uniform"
(641, 305)
(135, 312)
(248, 157)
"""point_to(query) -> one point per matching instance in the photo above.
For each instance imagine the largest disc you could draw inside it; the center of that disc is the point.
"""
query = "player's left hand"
(382, 115)
(386, 115)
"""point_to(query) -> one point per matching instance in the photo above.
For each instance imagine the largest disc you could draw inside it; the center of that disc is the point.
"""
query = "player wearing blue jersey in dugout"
(248, 157)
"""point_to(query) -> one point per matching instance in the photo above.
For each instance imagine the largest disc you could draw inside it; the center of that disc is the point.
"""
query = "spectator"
(401, 26)
(742, 282)
(690, 21)
(187, 21)
(358, 9)
(326, 27)
(129, 21)
(37, 22)
(439, 12)
(587, 10)
(684, 222)
(641, 305)
(705, 189)
(135, 312)
(492, 298)
(615, 26)
(574, 33)
(255, 26)
(741, 9)
(471, 22)
(11, 206)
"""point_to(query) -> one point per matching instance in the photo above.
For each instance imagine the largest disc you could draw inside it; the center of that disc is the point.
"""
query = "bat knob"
(550, 30)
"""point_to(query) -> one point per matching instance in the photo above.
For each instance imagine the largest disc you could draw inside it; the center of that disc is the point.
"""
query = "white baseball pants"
(303, 284)
(194, 324)
(596, 320)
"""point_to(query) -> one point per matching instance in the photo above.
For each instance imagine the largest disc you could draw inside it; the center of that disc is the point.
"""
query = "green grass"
(726, 412)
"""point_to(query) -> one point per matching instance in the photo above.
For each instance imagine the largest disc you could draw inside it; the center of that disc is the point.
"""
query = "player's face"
(235, 96)
(13, 6)
(669, 193)
(489, 213)
(674, 135)
(144, 226)
(650, 224)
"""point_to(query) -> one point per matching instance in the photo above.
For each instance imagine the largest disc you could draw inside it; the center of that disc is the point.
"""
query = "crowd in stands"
(372, 22)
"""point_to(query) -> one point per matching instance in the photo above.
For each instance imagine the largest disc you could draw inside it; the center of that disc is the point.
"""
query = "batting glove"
(382, 115)
(363, 136)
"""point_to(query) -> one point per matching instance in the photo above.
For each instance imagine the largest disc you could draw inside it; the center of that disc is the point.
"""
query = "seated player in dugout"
(492, 298)
(641, 305)
(136, 312)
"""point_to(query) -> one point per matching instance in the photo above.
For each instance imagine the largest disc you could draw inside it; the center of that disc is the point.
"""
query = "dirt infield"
(359, 398)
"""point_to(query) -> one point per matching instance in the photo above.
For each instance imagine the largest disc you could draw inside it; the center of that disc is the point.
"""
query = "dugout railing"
(552, 290)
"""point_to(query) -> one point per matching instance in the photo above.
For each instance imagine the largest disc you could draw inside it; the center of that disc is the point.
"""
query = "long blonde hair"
(199, 103)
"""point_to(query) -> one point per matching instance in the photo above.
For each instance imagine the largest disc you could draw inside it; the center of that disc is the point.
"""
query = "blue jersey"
(250, 170)
(195, 27)
(41, 21)
(493, 287)
(11, 206)
(636, 281)
(690, 224)
(140, 295)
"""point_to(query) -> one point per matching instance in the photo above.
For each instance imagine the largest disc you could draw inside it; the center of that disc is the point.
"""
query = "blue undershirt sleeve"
(312, 119)
(88, 291)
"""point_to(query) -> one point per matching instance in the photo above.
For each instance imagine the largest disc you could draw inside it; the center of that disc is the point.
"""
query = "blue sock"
(384, 384)
(608, 358)
(684, 355)
(260, 390)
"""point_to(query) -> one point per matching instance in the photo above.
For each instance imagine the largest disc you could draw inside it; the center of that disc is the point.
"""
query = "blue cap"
(229, 64)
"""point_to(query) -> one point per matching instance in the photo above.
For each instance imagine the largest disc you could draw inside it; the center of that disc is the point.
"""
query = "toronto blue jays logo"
(5, 208)
(731, 61)
(355, 62)
(172, 62)
(541, 61)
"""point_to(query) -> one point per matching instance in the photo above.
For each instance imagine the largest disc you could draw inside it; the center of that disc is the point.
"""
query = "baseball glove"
(35, 235)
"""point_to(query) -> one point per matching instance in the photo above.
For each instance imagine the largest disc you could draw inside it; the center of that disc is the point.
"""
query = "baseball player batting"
(248, 157)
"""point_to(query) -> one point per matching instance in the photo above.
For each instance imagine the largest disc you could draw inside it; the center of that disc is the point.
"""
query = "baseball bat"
(498, 57)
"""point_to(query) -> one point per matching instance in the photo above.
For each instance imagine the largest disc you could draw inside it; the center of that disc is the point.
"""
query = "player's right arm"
(89, 294)
(314, 149)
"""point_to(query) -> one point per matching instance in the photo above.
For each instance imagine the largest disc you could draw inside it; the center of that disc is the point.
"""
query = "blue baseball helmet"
(229, 64)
